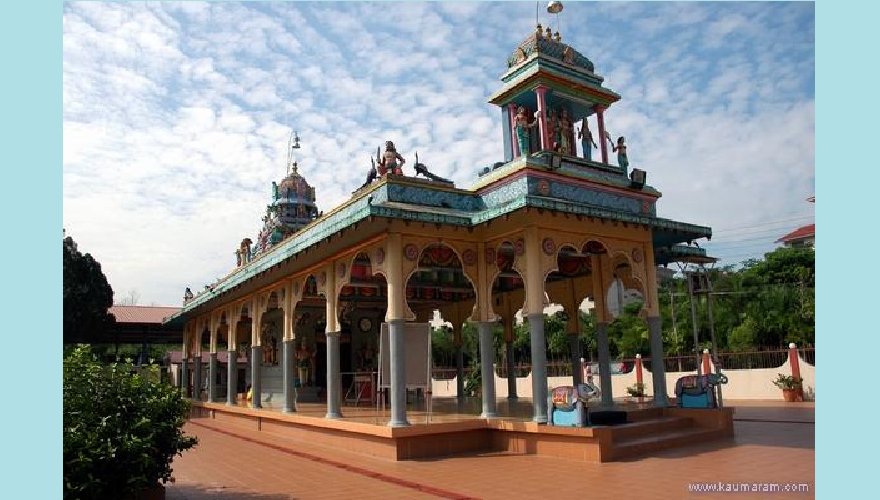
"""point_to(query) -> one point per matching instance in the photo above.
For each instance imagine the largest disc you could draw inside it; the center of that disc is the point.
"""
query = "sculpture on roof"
(622, 160)
(522, 126)
(563, 133)
(587, 142)
(388, 161)
(371, 175)
(243, 254)
(187, 295)
(422, 169)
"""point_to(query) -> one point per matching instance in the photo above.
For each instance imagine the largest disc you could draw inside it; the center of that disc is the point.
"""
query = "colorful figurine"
(622, 160)
(587, 142)
(522, 126)
(388, 161)
(563, 131)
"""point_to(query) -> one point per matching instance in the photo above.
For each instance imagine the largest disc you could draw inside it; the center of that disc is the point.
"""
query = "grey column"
(212, 378)
(459, 371)
(604, 363)
(398, 373)
(574, 343)
(487, 372)
(287, 365)
(231, 377)
(511, 373)
(197, 377)
(256, 357)
(539, 367)
(184, 376)
(658, 369)
(333, 376)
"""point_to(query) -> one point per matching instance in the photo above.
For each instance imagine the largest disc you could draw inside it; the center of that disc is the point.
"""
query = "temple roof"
(530, 184)
(543, 44)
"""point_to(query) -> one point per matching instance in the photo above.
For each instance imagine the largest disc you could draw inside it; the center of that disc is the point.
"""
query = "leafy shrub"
(121, 429)
(637, 390)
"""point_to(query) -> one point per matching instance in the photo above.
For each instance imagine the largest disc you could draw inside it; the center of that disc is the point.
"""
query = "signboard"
(417, 356)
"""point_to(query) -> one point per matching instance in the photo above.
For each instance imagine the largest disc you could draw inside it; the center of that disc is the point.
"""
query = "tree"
(122, 428)
(87, 296)
(131, 298)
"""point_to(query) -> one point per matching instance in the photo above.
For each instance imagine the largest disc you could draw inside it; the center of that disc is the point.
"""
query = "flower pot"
(790, 395)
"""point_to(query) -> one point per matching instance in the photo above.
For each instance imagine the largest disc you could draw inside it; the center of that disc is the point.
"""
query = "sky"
(176, 116)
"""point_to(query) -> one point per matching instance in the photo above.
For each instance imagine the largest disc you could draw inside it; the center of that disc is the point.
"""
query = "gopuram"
(546, 225)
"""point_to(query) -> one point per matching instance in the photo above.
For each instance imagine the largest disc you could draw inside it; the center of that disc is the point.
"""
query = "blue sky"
(176, 115)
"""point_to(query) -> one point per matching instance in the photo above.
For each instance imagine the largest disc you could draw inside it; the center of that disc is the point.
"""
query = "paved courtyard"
(774, 449)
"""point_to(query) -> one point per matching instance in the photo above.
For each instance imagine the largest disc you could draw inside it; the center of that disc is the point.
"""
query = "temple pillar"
(487, 371)
(543, 127)
(184, 376)
(334, 397)
(288, 351)
(256, 358)
(601, 272)
(231, 373)
(197, 376)
(658, 369)
(533, 310)
(396, 319)
(214, 326)
(212, 377)
(332, 334)
(511, 370)
(604, 363)
(655, 333)
(288, 365)
(511, 118)
(507, 320)
(574, 346)
(398, 373)
(459, 360)
(539, 367)
(603, 141)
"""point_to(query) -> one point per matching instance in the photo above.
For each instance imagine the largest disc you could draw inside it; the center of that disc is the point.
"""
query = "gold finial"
(538, 31)
(549, 33)
(558, 37)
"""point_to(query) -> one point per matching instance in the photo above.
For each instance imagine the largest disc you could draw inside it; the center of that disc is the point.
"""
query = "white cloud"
(176, 115)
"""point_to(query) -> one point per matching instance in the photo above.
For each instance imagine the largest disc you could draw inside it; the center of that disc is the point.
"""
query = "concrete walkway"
(774, 448)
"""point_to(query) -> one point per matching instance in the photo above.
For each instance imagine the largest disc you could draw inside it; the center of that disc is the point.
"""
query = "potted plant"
(637, 390)
(791, 386)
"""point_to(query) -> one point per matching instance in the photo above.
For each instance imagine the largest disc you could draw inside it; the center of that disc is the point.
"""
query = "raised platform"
(437, 435)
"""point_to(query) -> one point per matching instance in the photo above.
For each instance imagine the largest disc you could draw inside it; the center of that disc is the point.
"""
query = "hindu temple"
(352, 289)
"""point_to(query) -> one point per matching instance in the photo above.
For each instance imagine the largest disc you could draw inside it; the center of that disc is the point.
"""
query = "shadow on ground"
(193, 492)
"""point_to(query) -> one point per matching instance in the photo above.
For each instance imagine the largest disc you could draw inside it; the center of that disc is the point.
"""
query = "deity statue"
(522, 126)
(187, 295)
(245, 249)
(563, 131)
(305, 360)
(586, 138)
(388, 161)
(622, 160)
(270, 346)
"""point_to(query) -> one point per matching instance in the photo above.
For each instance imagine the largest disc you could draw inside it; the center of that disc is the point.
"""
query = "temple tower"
(557, 87)
(291, 207)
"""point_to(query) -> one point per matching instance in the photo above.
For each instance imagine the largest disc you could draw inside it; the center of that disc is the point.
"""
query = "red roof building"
(801, 237)
(144, 324)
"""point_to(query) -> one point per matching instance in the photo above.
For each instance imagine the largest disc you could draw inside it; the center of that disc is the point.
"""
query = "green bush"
(121, 429)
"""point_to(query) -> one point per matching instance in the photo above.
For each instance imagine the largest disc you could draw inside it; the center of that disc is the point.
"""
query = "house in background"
(144, 326)
(802, 237)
